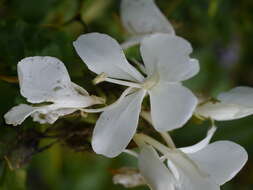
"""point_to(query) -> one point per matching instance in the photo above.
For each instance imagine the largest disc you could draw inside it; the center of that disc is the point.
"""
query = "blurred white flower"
(192, 168)
(234, 104)
(141, 18)
(128, 177)
(167, 64)
(46, 80)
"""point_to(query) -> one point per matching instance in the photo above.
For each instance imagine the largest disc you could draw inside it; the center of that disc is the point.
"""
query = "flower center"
(150, 82)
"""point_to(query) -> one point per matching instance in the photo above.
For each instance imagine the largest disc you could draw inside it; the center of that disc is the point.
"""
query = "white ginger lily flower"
(202, 166)
(128, 177)
(46, 80)
(234, 104)
(167, 64)
(141, 18)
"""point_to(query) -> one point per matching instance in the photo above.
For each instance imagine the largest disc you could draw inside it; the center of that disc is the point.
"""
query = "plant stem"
(166, 136)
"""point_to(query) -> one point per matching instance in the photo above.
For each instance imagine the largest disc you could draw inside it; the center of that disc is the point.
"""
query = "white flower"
(46, 80)
(234, 104)
(141, 18)
(193, 168)
(128, 177)
(167, 64)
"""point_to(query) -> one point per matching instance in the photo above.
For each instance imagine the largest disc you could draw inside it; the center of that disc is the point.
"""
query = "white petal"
(190, 177)
(42, 114)
(76, 100)
(47, 115)
(172, 105)
(43, 79)
(193, 69)
(103, 54)
(222, 160)
(242, 96)
(221, 111)
(143, 17)
(234, 104)
(202, 144)
(156, 174)
(18, 114)
(65, 106)
(115, 127)
(169, 56)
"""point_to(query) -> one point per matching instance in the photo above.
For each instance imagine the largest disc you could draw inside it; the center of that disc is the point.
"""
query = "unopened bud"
(128, 177)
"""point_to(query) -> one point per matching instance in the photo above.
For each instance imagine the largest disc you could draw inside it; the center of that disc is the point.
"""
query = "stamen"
(100, 78)
(139, 65)
(168, 139)
(142, 139)
(147, 116)
(123, 95)
(212, 122)
(132, 153)
(124, 83)
(163, 158)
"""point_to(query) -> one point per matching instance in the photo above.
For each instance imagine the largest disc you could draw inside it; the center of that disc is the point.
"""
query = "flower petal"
(18, 114)
(156, 174)
(43, 79)
(169, 56)
(222, 160)
(202, 144)
(221, 111)
(76, 100)
(115, 127)
(103, 54)
(48, 113)
(50, 116)
(241, 95)
(234, 104)
(172, 105)
(42, 114)
(193, 69)
(144, 17)
(190, 177)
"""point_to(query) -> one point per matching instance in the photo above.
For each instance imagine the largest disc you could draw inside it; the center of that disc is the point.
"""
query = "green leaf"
(64, 12)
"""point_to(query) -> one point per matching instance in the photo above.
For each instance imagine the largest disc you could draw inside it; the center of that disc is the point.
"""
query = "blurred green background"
(221, 32)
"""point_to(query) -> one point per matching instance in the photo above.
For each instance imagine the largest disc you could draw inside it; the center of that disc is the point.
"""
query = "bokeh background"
(59, 156)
